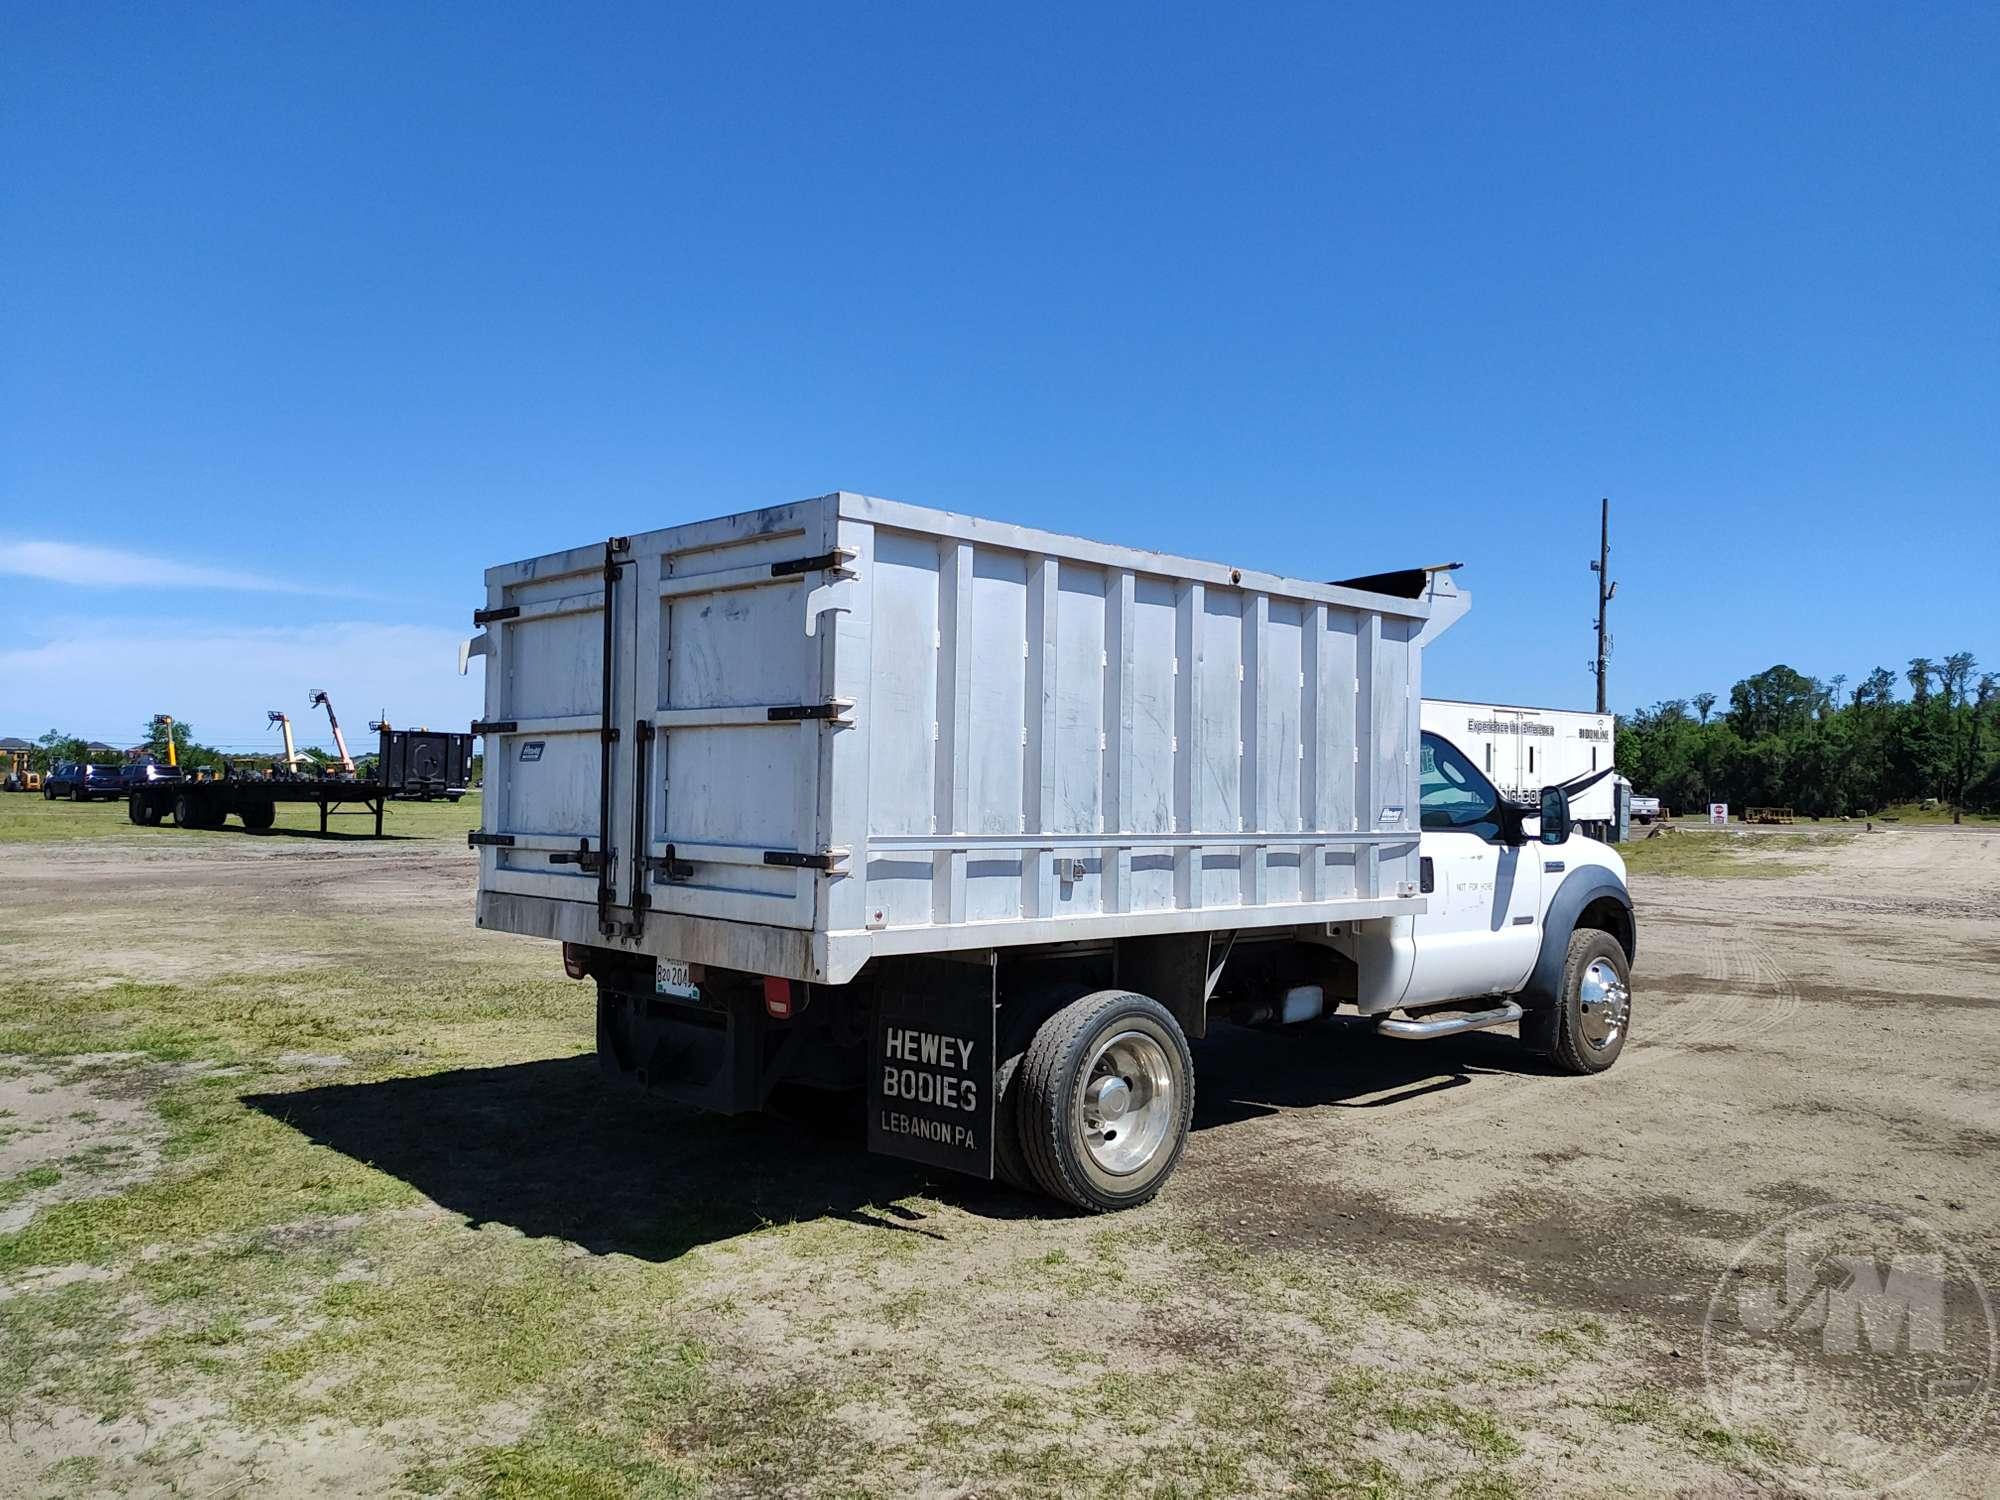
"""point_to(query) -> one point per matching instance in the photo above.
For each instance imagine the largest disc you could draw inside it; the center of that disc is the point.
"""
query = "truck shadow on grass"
(555, 1150)
(1245, 1074)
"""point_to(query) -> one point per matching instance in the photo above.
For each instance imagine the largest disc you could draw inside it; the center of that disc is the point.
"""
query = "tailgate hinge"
(475, 840)
(834, 709)
(835, 561)
(504, 612)
(826, 860)
(495, 726)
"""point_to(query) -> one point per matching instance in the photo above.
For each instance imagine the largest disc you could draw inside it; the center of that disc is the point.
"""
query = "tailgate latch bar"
(669, 865)
(582, 856)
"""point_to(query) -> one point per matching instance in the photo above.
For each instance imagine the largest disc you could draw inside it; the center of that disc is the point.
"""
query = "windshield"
(105, 770)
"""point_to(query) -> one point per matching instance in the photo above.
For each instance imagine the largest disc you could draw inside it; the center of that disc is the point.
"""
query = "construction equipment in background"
(1769, 815)
(292, 757)
(320, 700)
(167, 728)
(20, 777)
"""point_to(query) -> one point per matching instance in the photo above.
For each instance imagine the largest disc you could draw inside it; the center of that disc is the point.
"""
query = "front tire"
(1585, 1030)
(1107, 1095)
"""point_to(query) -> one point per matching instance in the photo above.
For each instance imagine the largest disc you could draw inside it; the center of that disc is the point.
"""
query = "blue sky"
(311, 313)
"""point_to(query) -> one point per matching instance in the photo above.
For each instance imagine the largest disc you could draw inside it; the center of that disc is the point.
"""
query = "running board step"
(1451, 1025)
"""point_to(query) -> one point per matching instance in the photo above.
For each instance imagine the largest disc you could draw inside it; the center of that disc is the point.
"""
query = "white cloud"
(107, 567)
(105, 679)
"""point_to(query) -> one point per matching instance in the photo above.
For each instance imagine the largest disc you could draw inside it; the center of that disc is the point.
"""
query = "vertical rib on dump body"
(787, 740)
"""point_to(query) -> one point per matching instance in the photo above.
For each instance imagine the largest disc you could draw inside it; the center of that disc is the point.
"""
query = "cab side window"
(1454, 795)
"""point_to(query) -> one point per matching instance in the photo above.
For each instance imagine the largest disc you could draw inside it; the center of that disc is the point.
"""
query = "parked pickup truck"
(147, 773)
(1646, 810)
(82, 782)
(991, 822)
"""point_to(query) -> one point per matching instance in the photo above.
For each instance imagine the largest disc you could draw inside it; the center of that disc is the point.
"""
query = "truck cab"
(1511, 890)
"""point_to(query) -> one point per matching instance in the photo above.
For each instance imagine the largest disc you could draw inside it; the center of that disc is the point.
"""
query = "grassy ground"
(27, 818)
(382, 1203)
(1912, 812)
(1701, 852)
(307, 1186)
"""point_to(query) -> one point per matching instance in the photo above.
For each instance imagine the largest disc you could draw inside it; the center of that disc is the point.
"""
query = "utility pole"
(1606, 589)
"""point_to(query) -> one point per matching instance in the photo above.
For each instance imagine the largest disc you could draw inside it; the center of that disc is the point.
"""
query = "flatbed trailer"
(412, 764)
(253, 800)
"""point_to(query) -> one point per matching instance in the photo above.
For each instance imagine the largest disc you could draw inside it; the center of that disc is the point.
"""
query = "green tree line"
(1822, 749)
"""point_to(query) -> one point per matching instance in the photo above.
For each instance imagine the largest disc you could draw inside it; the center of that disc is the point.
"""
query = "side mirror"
(1555, 815)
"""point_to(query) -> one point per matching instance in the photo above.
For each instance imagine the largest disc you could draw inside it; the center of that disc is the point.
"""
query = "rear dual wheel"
(1100, 1102)
(191, 812)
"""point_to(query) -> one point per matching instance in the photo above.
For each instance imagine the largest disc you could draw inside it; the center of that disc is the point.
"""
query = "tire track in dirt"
(1747, 993)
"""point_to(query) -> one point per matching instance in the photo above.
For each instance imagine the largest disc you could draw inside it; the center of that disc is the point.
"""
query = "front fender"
(1580, 890)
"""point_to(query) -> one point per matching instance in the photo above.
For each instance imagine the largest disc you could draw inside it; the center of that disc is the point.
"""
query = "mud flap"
(930, 1075)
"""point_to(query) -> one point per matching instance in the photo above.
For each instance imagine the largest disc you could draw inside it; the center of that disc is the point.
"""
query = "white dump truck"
(990, 822)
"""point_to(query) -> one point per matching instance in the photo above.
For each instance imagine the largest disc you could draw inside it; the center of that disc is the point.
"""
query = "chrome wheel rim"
(1604, 1001)
(1127, 1107)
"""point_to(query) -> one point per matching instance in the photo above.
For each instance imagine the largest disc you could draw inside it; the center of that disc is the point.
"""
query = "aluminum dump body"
(851, 727)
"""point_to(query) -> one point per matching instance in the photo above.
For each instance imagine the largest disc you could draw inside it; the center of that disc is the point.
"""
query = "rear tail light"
(576, 960)
(778, 998)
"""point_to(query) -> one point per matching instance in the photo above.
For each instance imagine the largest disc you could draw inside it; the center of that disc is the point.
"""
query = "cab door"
(1482, 931)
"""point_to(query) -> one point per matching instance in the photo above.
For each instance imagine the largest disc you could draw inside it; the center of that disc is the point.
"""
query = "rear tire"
(76, 794)
(133, 812)
(1585, 1030)
(1010, 1162)
(185, 814)
(1106, 1098)
(259, 817)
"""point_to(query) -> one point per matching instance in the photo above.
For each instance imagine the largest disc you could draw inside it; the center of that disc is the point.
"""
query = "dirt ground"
(308, 1187)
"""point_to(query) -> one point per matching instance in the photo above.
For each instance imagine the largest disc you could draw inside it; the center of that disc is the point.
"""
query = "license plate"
(671, 977)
